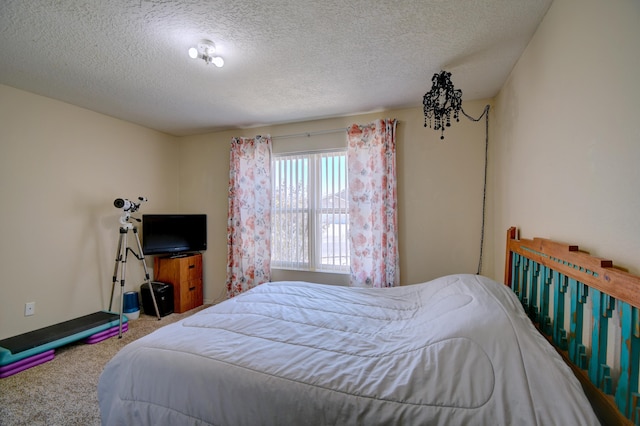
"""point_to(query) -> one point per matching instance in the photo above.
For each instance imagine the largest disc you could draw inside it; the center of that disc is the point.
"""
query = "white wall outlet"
(29, 309)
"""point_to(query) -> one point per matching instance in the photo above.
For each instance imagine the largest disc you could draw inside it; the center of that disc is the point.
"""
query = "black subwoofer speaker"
(164, 298)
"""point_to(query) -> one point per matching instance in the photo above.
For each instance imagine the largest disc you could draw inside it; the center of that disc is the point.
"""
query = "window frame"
(314, 212)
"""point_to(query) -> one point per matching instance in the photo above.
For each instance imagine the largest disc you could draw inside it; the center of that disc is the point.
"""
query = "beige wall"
(566, 152)
(61, 167)
(439, 191)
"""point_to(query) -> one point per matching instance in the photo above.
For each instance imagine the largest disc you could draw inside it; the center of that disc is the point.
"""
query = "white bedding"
(457, 350)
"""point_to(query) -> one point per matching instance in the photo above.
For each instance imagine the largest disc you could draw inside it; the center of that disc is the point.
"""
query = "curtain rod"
(309, 134)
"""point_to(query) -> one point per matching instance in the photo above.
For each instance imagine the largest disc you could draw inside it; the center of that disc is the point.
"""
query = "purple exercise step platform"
(25, 363)
(103, 335)
(27, 350)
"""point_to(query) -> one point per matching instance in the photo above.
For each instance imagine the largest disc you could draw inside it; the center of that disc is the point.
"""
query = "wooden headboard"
(589, 310)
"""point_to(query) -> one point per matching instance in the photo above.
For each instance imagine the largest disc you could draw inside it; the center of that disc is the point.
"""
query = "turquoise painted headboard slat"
(589, 310)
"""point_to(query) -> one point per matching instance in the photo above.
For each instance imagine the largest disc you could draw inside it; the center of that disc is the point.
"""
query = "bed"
(460, 349)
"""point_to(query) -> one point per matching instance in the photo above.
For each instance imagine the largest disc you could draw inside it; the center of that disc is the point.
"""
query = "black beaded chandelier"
(442, 101)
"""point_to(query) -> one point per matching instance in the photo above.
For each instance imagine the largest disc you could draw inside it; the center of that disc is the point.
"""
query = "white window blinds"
(310, 217)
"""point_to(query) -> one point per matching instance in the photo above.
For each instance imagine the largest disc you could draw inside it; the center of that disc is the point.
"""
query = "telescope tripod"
(121, 263)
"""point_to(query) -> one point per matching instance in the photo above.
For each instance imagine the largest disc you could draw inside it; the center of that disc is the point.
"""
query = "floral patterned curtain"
(372, 204)
(249, 217)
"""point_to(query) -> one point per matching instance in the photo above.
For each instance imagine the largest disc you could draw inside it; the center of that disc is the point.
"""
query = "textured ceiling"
(285, 60)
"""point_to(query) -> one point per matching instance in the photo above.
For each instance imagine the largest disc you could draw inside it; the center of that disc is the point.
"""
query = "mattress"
(458, 350)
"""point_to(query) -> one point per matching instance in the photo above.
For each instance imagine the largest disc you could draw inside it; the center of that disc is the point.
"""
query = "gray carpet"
(64, 390)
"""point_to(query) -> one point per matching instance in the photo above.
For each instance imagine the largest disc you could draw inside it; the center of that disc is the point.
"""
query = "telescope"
(128, 206)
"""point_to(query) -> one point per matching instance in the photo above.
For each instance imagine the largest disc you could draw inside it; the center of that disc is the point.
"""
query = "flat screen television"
(174, 234)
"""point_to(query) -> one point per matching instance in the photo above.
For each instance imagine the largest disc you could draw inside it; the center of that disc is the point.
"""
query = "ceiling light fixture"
(441, 101)
(205, 50)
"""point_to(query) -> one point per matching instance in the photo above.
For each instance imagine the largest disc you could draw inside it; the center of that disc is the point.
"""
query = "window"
(310, 216)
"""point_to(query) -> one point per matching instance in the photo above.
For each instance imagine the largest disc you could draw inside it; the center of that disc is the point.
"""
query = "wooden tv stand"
(185, 274)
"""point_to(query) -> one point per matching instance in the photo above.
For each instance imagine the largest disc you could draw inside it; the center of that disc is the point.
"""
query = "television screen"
(173, 233)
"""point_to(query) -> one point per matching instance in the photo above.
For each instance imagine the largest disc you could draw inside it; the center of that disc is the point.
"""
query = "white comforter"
(457, 350)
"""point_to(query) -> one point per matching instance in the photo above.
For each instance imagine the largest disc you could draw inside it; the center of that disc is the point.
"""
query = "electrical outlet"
(29, 309)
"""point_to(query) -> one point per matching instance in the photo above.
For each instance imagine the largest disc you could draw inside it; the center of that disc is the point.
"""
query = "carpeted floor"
(63, 391)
